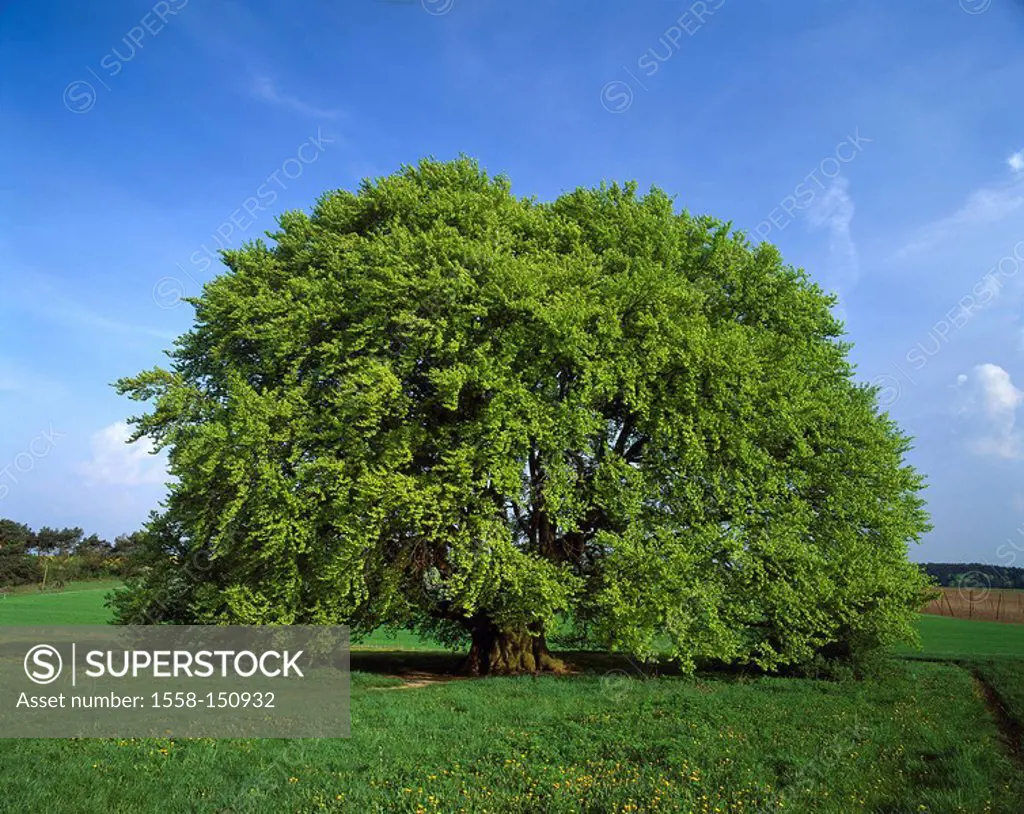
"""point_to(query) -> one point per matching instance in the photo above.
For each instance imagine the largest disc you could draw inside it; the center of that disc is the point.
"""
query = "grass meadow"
(939, 732)
(80, 603)
(945, 638)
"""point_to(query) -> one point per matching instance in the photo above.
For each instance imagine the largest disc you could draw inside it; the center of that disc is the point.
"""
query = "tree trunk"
(509, 652)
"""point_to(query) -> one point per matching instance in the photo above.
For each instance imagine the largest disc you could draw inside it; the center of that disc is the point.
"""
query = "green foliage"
(431, 403)
(57, 541)
(17, 567)
(163, 580)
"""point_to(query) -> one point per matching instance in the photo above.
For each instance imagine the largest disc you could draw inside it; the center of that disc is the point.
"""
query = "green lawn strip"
(396, 640)
(945, 637)
(919, 737)
(78, 605)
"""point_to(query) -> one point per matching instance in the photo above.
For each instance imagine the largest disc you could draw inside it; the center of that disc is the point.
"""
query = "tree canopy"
(430, 403)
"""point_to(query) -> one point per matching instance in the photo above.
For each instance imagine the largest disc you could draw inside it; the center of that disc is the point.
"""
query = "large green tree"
(433, 404)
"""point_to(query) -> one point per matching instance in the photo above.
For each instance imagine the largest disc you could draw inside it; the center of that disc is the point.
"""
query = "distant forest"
(974, 574)
(53, 556)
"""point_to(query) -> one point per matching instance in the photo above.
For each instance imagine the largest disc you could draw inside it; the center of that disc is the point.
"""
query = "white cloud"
(116, 462)
(265, 89)
(834, 211)
(986, 205)
(992, 399)
(983, 206)
(1000, 395)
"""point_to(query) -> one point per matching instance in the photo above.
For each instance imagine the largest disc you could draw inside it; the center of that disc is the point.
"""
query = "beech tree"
(432, 404)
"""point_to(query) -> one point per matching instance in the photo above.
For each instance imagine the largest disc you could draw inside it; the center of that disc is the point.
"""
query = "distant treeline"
(54, 556)
(974, 574)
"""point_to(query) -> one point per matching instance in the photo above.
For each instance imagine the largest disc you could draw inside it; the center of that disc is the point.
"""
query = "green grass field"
(80, 603)
(923, 739)
(945, 637)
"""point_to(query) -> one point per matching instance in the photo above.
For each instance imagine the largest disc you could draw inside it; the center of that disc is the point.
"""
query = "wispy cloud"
(266, 90)
(990, 398)
(834, 211)
(114, 461)
(44, 298)
(73, 314)
(983, 206)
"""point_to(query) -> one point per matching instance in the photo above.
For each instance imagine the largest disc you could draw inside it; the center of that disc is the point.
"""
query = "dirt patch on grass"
(415, 681)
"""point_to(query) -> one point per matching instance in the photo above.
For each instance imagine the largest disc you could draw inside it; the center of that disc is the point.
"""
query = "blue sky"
(880, 145)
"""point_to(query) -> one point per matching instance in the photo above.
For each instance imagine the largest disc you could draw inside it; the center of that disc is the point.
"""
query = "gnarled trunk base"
(508, 652)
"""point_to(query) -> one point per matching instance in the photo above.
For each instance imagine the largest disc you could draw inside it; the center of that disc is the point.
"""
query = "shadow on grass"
(444, 664)
(406, 662)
